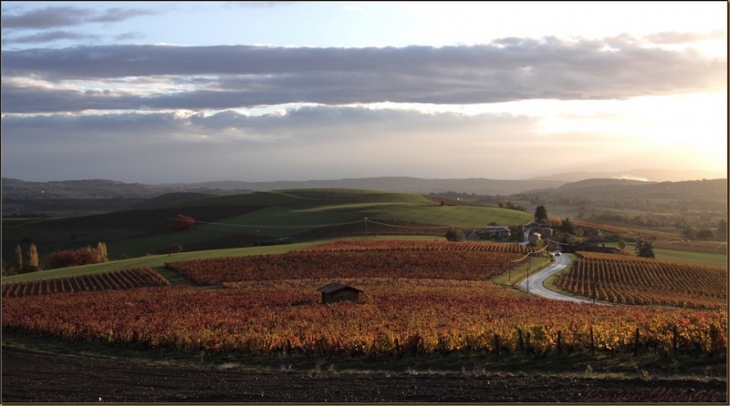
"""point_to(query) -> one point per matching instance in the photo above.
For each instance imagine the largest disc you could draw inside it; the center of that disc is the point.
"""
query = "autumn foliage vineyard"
(357, 259)
(418, 245)
(126, 279)
(644, 281)
(418, 298)
(396, 317)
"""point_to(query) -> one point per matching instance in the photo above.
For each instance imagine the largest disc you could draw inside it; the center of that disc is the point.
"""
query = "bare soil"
(29, 376)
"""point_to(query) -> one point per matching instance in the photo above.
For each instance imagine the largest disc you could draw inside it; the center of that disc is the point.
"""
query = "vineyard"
(643, 234)
(126, 279)
(395, 316)
(360, 259)
(643, 281)
(705, 247)
(418, 245)
(418, 297)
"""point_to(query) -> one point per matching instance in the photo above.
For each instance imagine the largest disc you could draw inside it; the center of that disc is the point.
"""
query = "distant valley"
(74, 197)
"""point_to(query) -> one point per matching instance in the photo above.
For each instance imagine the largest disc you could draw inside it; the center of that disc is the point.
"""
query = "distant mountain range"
(388, 184)
(609, 189)
(653, 175)
(14, 189)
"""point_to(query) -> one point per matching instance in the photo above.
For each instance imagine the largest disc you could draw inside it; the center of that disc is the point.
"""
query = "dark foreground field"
(38, 377)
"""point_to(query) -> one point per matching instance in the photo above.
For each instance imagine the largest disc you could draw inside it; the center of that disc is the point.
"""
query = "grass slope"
(682, 256)
(269, 215)
(158, 261)
(152, 261)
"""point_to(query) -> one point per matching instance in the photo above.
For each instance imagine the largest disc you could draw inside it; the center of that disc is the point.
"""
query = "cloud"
(314, 142)
(45, 21)
(44, 18)
(223, 77)
(49, 36)
(260, 4)
(320, 122)
(117, 14)
(673, 37)
(128, 36)
(65, 16)
(311, 142)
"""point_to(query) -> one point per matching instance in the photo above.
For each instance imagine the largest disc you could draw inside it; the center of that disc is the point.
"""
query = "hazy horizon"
(158, 92)
(652, 175)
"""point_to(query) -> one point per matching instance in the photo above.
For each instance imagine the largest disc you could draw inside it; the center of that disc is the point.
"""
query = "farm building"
(544, 231)
(587, 247)
(495, 232)
(335, 292)
(534, 238)
(603, 249)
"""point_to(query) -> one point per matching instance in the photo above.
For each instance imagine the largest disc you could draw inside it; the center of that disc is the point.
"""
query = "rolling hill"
(259, 217)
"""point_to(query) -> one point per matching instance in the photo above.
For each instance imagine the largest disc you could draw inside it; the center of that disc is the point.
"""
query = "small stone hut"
(336, 292)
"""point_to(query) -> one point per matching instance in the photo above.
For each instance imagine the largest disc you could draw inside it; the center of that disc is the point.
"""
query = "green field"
(682, 256)
(267, 215)
(158, 261)
(304, 215)
(152, 261)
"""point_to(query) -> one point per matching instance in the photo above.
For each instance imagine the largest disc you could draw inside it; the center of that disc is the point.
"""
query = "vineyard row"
(395, 316)
(646, 282)
(375, 245)
(460, 265)
(125, 279)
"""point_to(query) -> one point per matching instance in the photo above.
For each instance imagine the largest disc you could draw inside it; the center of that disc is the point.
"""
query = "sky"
(166, 92)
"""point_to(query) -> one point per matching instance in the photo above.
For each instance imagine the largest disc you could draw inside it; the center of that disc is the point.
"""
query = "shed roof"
(335, 287)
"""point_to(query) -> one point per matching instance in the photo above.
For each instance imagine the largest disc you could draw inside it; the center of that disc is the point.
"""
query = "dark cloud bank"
(65, 16)
(222, 77)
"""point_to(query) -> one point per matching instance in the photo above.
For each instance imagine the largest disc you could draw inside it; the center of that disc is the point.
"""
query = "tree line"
(29, 261)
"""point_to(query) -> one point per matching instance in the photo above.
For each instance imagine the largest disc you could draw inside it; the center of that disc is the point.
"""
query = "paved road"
(536, 281)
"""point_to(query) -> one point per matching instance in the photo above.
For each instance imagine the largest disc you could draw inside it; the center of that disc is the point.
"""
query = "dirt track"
(35, 377)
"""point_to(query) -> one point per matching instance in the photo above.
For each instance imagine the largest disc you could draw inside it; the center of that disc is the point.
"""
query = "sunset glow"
(183, 92)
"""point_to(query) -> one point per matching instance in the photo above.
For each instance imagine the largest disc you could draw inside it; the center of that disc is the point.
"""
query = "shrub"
(67, 258)
(455, 234)
(176, 248)
(28, 268)
(182, 223)
(63, 258)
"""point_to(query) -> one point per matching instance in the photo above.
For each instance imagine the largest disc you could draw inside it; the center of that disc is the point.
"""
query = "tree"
(689, 233)
(66, 258)
(705, 234)
(101, 249)
(555, 223)
(622, 245)
(722, 229)
(88, 255)
(8, 271)
(19, 257)
(455, 234)
(721, 226)
(33, 255)
(644, 249)
(540, 213)
(510, 205)
(566, 226)
(182, 223)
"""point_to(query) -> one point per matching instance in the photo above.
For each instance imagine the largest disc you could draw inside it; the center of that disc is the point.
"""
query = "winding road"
(535, 284)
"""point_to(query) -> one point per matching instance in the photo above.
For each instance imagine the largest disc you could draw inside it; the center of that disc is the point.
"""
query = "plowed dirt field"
(29, 377)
